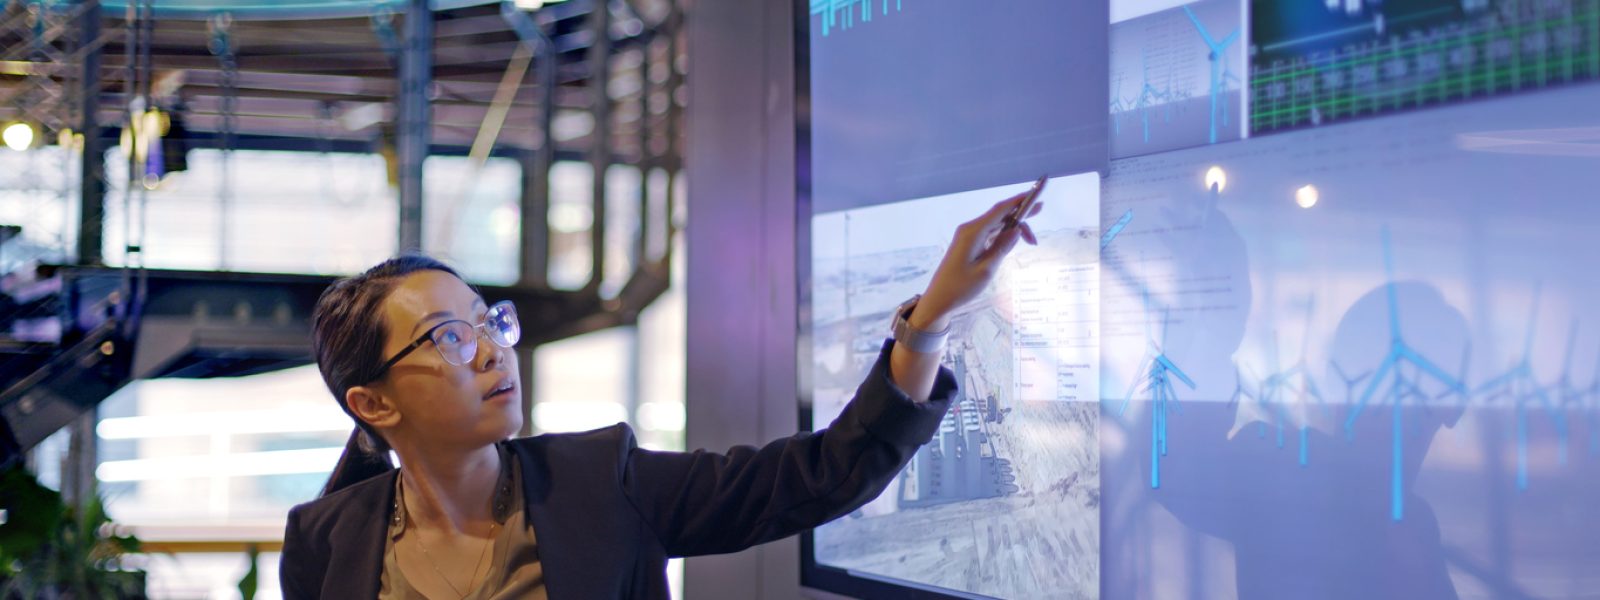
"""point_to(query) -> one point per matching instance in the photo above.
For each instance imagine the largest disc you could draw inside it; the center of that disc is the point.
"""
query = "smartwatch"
(924, 342)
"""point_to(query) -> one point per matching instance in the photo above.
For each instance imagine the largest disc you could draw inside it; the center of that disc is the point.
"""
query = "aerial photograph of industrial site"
(1004, 500)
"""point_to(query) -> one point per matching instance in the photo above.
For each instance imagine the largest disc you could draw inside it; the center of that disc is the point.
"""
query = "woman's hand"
(970, 264)
(967, 268)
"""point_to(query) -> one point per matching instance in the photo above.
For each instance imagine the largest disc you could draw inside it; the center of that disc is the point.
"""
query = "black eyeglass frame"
(477, 330)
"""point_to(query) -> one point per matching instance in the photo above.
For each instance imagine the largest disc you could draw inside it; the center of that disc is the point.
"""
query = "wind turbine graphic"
(1157, 373)
(1400, 355)
(1518, 382)
(1219, 74)
(1578, 398)
(1295, 380)
(1150, 96)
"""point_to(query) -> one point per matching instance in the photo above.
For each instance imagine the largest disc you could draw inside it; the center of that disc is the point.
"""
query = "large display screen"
(1323, 327)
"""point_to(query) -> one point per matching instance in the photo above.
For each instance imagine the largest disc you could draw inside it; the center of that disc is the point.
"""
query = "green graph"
(1518, 47)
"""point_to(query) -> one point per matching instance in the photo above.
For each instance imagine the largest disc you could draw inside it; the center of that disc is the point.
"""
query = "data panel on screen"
(1012, 476)
(912, 98)
(1177, 75)
(1315, 63)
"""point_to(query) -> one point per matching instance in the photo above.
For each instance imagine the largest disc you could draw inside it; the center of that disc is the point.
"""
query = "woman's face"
(440, 403)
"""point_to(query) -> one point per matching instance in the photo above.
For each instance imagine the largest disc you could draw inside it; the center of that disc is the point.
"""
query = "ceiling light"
(1307, 196)
(19, 135)
(1216, 179)
(532, 4)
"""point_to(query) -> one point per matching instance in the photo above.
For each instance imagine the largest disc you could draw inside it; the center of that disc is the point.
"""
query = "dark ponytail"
(363, 458)
(347, 338)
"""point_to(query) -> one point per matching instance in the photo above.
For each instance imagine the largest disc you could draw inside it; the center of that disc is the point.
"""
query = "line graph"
(1353, 65)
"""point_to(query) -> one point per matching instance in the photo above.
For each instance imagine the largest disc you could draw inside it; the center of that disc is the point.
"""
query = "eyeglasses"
(457, 341)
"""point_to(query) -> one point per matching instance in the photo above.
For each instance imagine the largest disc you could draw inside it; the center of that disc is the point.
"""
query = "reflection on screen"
(1389, 341)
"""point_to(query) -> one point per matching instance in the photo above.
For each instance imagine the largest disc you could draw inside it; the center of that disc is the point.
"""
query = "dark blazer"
(608, 514)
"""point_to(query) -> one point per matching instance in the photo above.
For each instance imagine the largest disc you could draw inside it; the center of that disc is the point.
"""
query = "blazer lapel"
(563, 570)
(357, 571)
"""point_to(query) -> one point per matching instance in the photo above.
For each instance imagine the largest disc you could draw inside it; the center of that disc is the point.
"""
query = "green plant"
(247, 585)
(49, 549)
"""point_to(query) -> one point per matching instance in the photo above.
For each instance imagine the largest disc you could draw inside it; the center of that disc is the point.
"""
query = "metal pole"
(525, 368)
(416, 118)
(78, 472)
(645, 161)
(227, 62)
(599, 59)
(130, 92)
(92, 165)
(147, 67)
(672, 161)
(535, 176)
(78, 480)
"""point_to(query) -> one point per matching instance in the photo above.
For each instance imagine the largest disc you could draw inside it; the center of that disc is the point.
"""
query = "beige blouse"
(514, 569)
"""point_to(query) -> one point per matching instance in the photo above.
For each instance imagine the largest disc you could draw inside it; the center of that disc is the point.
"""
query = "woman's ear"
(372, 407)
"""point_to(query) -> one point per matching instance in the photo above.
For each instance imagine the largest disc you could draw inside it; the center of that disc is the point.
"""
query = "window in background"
(472, 217)
(624, 188)
(218, 460)
(173, 453)
(209, 575)
(662, 363)
(585, 382)
(571, 219)
(287, 212)
(49, 457)
(624, 374)
(657, 186)
(38, 192)
(39, 195)
(593, 380)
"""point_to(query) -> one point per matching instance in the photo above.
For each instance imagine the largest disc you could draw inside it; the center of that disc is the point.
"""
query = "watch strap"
(918, 340)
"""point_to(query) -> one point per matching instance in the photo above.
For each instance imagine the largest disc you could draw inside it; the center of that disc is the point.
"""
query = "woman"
(423, 365)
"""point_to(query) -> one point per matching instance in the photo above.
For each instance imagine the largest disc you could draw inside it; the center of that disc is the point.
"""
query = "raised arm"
(705, 502)
(966, 270)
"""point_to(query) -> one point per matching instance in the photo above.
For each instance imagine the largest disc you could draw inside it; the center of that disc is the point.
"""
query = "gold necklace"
(475, 567)
(494, 527)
